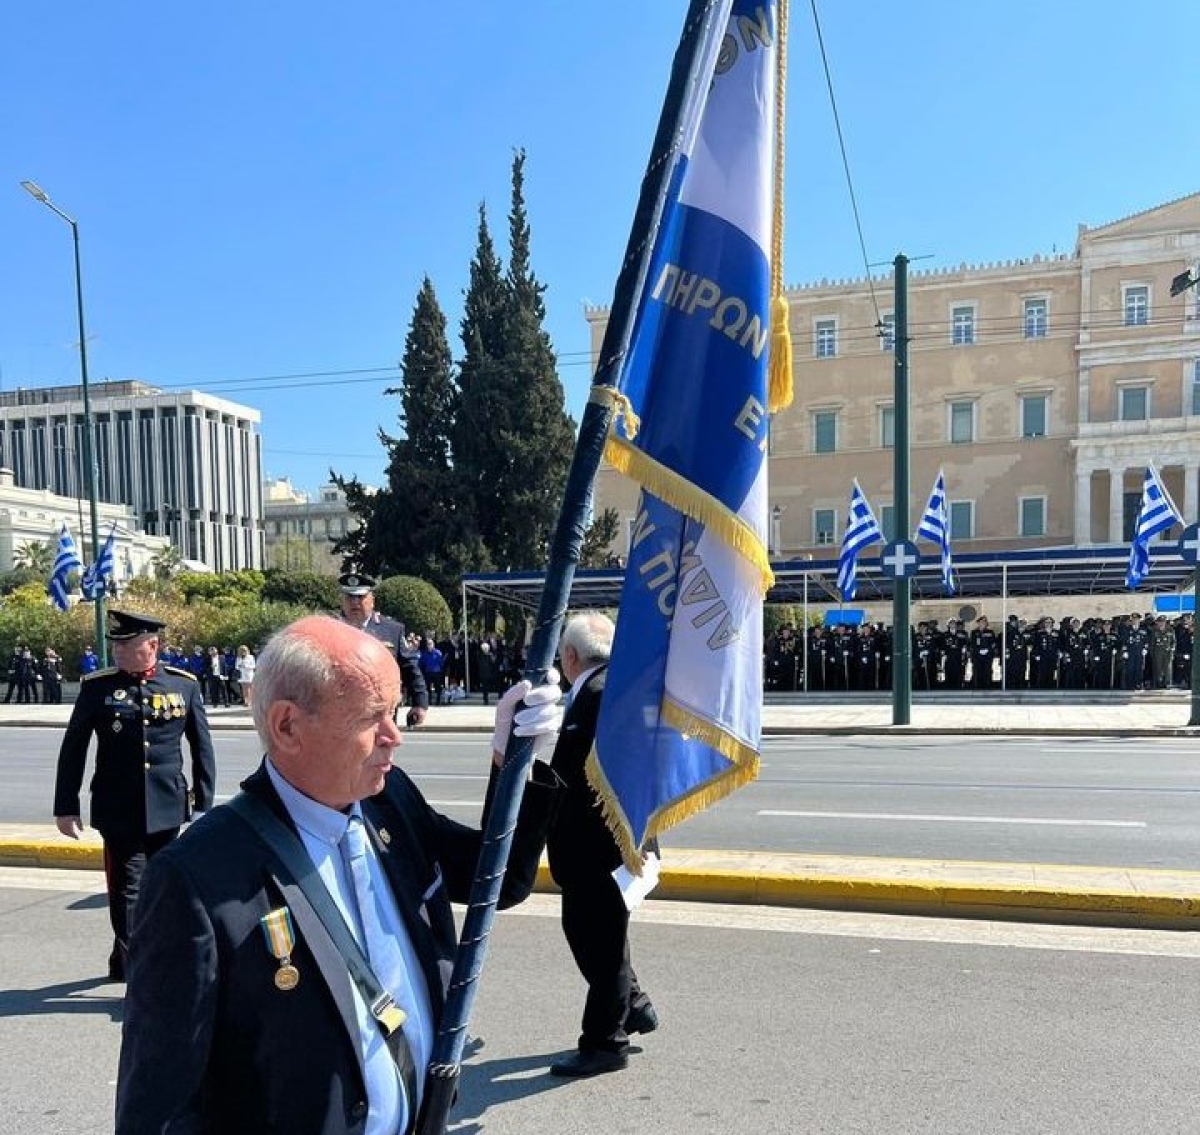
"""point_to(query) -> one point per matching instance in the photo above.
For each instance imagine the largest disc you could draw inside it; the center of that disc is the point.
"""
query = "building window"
(825, 431)
(824, 525)
(1033, 415)
(887, 427)
(962, 520)
(1033, 516)
(1035, 319)
(1136, 303)
(1134, 403)
(962, 325)
(1194, 400)
(825, 338)
(887, 521)
(962, 422)
(887, 332)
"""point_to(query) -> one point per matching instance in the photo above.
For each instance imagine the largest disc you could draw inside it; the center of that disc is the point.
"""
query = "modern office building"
(299, 530)
(186, 464)
(1042, 386)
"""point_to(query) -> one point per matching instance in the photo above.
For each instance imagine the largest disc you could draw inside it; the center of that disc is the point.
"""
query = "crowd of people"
(32, 679)
(1129, 652)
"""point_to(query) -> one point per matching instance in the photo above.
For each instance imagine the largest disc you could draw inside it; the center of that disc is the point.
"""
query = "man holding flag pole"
(708, 561)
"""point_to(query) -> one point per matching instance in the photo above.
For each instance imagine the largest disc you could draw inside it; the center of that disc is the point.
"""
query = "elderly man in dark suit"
(243, 1013)
(583, 856)
(140, 712)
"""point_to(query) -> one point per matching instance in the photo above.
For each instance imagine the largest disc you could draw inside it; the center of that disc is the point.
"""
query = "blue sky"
(260, 187)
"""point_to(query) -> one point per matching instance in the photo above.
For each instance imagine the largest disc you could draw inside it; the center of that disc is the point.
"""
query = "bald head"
(325, 700)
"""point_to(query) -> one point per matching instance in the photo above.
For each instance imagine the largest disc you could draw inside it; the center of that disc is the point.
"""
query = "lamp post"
(89, 441)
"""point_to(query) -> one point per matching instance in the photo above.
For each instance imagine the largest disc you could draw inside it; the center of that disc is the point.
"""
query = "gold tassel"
(779, 369)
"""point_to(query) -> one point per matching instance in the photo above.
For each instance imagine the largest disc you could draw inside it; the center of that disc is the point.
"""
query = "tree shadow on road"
(66, 997)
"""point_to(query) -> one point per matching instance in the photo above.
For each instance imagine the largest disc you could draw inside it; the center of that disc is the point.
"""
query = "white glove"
(541, 718)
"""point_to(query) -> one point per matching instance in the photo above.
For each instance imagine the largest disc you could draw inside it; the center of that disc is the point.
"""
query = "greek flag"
(66, 560)
(1156, 514)
(934, 526)
(93, 582)
(679, 723)
(862, 530)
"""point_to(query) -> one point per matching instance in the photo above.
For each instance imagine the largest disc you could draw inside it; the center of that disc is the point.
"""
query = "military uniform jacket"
(210, 1043)
(140, 723)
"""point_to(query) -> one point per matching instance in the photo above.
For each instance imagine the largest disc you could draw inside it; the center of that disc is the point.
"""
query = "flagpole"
(446, 1062)
(901, 588)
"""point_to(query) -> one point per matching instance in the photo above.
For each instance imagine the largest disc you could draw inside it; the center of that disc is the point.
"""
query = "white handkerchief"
(634, 888)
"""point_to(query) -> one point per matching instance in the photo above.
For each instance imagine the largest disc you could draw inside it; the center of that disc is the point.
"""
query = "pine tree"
(414, 525)
(514, 437)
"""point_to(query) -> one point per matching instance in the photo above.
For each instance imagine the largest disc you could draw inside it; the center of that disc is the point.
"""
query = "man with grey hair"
(583, 855)
(290, 952)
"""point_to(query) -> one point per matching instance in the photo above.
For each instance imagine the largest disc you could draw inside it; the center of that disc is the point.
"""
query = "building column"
(1191, 474)
(1116, 505)
(1083, 507)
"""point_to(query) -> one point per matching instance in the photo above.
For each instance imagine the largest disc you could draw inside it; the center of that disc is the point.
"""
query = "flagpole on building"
(446, 1062)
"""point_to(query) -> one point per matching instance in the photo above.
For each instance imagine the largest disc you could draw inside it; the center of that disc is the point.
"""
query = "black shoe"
(593, 1063)
(116, 962)
(641, 1019)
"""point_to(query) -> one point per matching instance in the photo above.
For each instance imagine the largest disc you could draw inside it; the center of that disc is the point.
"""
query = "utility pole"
(1189, 546)
(901, 587)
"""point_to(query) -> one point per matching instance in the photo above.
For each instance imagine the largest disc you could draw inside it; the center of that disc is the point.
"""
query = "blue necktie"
(381, 948)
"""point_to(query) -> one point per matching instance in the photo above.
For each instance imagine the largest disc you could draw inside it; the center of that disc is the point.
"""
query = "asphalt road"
(774, 1021)
(1125, 802)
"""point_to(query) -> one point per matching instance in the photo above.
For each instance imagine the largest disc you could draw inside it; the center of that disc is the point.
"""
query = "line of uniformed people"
(1132, 652)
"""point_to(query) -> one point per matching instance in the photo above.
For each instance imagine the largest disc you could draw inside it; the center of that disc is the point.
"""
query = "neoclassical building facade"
(1043, 387)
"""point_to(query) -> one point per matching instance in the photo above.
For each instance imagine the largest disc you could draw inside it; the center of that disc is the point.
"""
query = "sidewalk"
(1017, 891)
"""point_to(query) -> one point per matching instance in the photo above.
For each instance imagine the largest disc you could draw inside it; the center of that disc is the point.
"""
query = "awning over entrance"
(980, 575)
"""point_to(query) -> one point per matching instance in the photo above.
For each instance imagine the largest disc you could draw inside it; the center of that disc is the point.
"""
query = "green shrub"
(415, 603)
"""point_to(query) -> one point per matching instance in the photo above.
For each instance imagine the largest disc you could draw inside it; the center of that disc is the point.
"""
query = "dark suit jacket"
(210, 1044)
(580, 846)
(140, 725)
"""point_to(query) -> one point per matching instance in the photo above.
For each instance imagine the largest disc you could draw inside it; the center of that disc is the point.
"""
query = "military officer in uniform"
(358, 609)
(140, 712)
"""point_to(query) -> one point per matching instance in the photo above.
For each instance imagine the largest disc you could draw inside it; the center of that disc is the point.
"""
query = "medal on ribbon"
(281, 939)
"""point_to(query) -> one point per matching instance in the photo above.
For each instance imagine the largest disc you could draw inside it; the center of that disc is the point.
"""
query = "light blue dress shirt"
(321, 829)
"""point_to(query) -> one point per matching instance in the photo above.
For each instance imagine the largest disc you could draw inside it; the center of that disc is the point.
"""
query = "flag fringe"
(743, 768)
(683, 496)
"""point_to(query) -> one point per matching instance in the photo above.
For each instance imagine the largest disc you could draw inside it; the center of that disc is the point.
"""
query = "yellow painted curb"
(35, 853)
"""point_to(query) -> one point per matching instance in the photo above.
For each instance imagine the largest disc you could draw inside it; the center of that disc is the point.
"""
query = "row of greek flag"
(862, 530)
(92, 582)
(1157, 513)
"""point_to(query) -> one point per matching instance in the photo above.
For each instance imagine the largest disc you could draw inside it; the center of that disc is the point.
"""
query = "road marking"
(928, 818)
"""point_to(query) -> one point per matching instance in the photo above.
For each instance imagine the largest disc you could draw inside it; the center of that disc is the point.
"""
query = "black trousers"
(125, 857)
(595, 922)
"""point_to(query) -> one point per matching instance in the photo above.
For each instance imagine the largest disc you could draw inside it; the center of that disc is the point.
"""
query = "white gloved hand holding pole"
(541, 718)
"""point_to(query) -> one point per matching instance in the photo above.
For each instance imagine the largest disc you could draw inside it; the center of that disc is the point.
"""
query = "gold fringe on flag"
(685, 497)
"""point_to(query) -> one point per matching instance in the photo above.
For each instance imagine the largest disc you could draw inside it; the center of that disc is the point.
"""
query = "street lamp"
(89, 442)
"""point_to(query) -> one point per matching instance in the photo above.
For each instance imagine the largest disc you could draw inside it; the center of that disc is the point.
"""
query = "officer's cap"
(355, 583)
(124, 625)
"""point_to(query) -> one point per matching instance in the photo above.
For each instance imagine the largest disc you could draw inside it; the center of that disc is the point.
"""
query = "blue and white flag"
(66, 560)
(679, 724)
(862, 530)
(934, 526)
(94, 579)
(1156, 514)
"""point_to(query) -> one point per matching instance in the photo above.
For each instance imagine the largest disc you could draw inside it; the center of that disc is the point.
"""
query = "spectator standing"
(246, 665)
(51, 671)
(214, 676)
(88, 662)
(433, 669)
